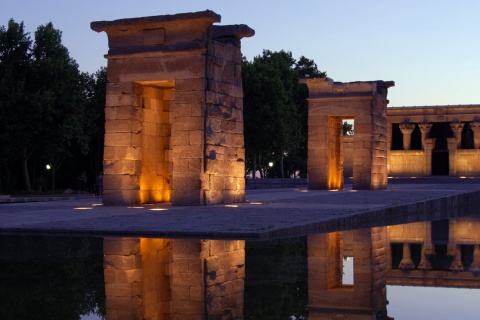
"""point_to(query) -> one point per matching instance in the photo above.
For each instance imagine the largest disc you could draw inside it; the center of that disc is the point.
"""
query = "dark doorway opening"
(440, 163)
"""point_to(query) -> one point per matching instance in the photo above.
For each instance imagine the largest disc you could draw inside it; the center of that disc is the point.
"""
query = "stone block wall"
(328, 104)
(328, 298)
(467, 162)
(208, 279)
(407, 163)
(157, 279)
(174, 112)
(224, 180)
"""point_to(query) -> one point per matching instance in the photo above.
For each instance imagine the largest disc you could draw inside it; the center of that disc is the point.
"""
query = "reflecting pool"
(421, 270)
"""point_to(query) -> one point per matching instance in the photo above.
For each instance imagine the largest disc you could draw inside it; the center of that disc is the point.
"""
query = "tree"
(19, 124)
(347, 128)
(60, 89)
(275, 112)
(46, 105)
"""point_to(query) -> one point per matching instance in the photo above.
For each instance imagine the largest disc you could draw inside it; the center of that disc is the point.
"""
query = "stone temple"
(174, 110)
(174, 120)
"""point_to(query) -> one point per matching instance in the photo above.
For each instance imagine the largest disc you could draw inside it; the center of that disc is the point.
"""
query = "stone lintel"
(156, 35)
(153, 22)
(326, 87)
(340, 96)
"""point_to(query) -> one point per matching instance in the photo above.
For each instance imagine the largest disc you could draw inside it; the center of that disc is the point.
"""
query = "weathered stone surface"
(174, 91)
(329, 103)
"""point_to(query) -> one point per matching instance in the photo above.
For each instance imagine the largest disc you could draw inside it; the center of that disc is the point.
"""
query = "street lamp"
(53, 176)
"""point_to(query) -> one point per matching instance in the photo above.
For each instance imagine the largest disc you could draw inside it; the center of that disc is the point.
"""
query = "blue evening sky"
(430, 48)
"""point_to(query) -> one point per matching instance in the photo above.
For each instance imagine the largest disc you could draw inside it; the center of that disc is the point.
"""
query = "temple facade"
(430, 140)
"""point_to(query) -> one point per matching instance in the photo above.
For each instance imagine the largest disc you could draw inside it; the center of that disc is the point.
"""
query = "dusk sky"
(430, 48)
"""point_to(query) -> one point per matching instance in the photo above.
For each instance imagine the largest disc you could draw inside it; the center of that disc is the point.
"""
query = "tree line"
(51, 114)
(275, 113)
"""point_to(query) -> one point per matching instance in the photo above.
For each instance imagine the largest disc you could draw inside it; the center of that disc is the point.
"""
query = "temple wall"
(407, 163)
(176, 279)
(366, 297)
(468, 163)
(461, 147)
(331, 102)
(174, 110)
(347, 143)
(224, 142)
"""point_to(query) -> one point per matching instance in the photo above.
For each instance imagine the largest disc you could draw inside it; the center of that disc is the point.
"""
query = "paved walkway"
(266, 214)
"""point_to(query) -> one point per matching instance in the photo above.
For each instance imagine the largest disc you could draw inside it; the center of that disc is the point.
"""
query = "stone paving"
(268, 213)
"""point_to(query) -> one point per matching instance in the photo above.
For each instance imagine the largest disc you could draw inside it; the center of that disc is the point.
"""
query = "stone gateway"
(174, 110)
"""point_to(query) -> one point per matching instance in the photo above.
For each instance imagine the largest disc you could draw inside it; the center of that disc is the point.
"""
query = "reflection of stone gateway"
(174, 278)
(174, 110)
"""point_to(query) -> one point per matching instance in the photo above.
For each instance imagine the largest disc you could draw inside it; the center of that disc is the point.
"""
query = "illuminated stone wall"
(176, 279)
(174, 110)
(328, 297)
(328, 104)
(462, 146)
(444, 253)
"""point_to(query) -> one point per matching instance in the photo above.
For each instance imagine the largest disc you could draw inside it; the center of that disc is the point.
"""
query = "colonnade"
(433, 140)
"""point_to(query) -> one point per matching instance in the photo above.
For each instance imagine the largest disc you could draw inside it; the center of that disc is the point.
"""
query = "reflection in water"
(297, 278)
(174, 278)
(50, 277)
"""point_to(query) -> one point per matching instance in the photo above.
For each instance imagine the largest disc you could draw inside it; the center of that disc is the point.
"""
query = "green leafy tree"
(46, 105)
(275, 112)
(60, 90)
(19, 121)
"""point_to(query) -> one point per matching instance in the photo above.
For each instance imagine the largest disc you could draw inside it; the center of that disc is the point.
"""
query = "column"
(429, 146)
(457, 128)
(425, 130)
(424, 264)
(475, 266)
(452, 155)
(457, 264)
(475, 125)
(407, 129)
(407, 262)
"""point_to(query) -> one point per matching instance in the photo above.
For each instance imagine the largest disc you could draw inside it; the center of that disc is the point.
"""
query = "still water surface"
(422, 270)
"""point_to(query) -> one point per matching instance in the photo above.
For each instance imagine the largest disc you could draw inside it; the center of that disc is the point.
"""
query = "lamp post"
(270, 166)
(49, 167)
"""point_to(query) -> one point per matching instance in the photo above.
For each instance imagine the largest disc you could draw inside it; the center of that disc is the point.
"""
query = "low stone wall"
(275, 183)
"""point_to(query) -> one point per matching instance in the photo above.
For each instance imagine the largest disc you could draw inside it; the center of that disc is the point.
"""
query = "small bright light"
(83, 208)
(270, 164)
(334, 190)
(256, 203)
(158, 209)
(353, 191)
(135, 207)
(463, 177)
(97, 204)
(231, 206)
(48, 167)
(303, 190)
